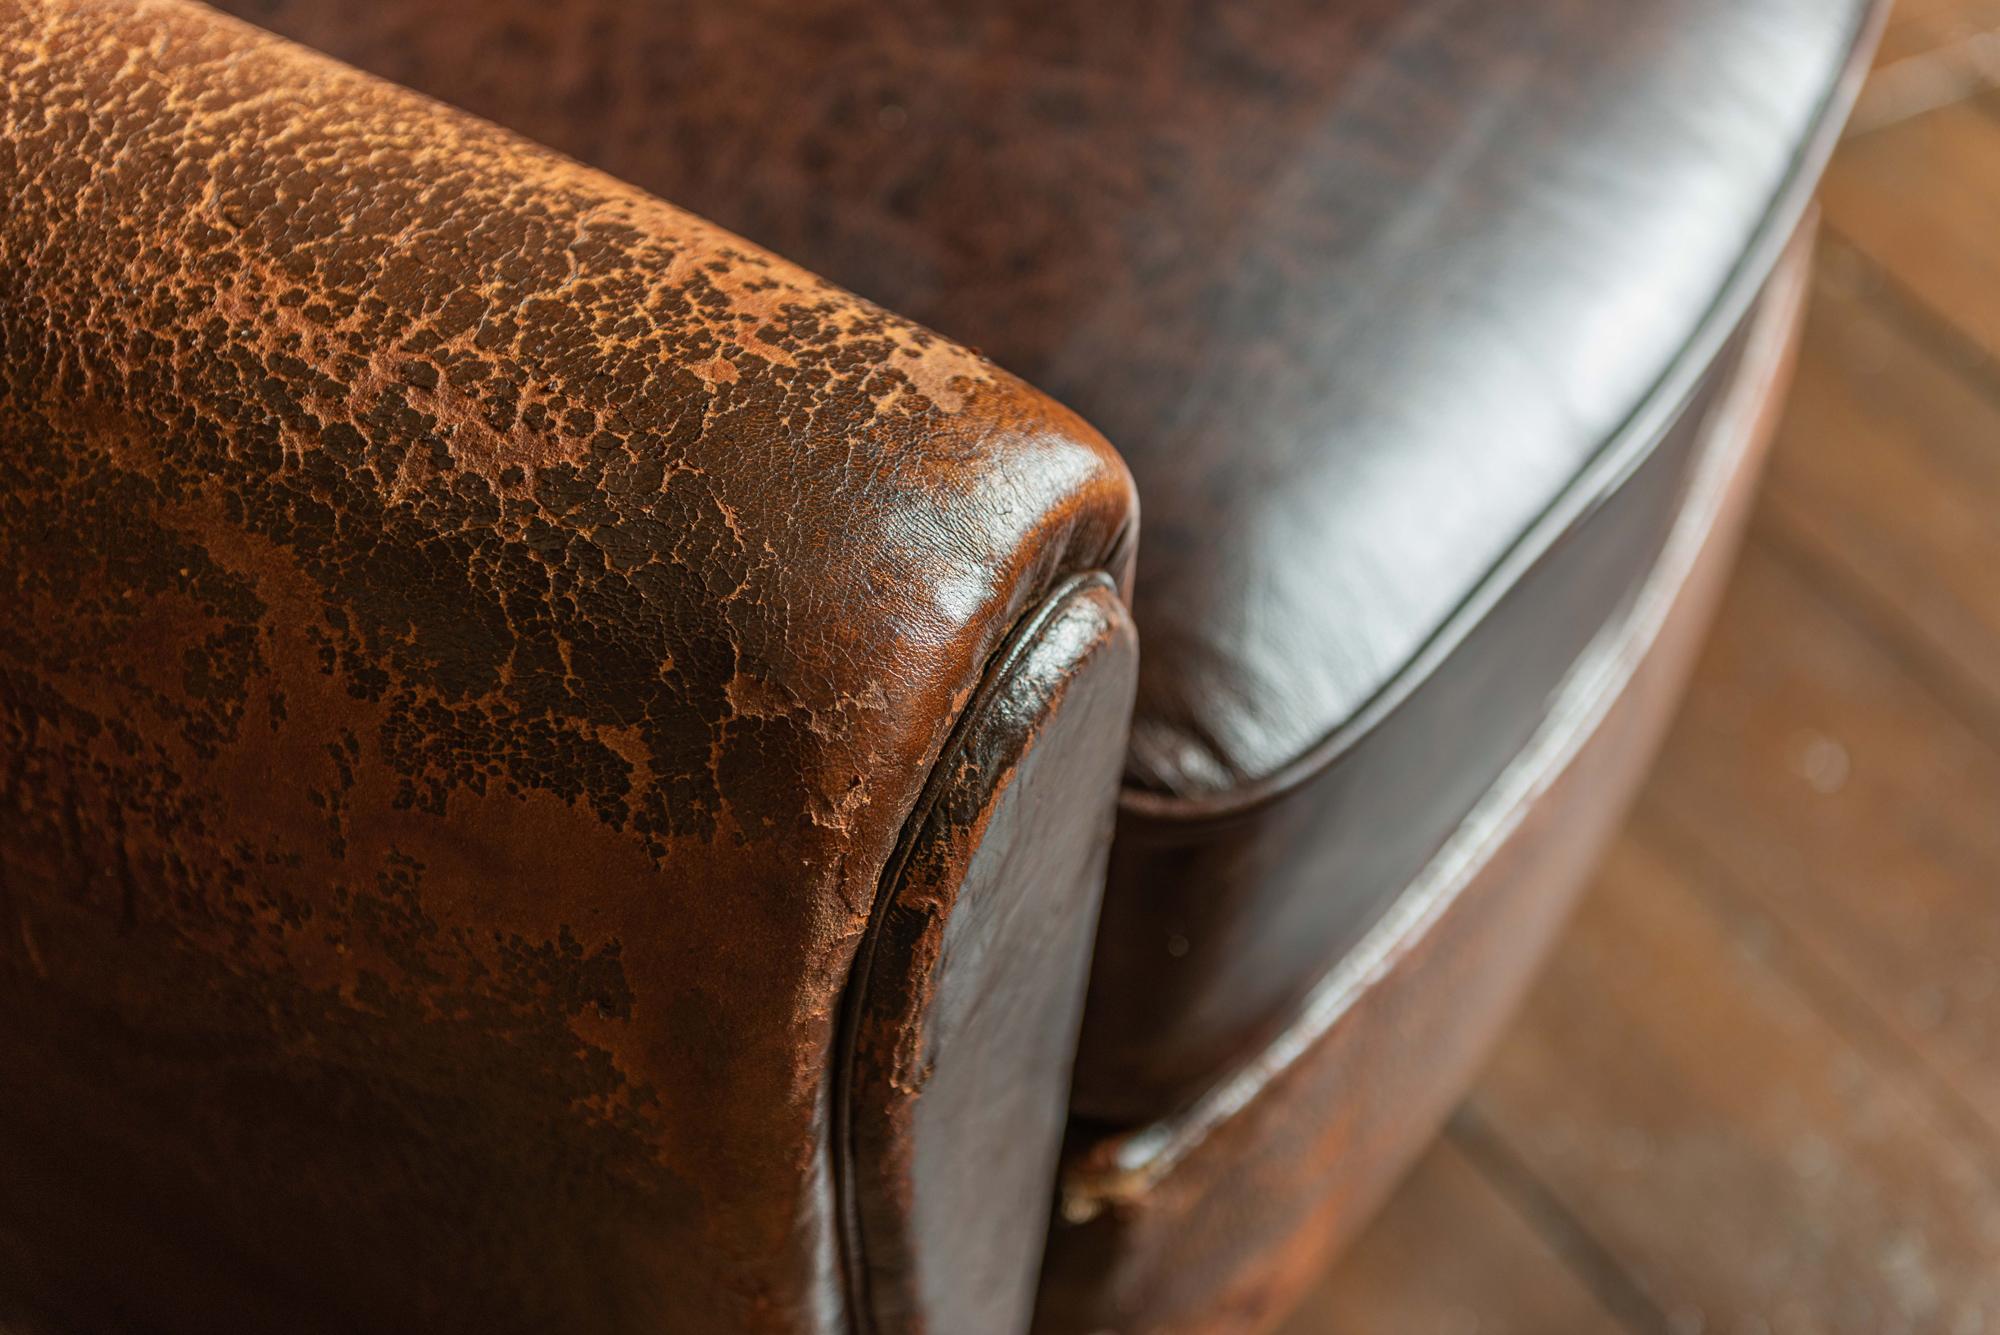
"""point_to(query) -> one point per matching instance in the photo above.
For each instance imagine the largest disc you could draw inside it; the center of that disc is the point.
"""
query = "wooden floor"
(1758, 1090)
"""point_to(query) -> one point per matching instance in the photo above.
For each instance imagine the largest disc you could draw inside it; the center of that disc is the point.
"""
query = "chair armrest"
(485, 651)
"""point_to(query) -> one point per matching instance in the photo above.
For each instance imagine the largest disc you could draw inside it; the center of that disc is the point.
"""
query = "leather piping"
(1019, 641)
(1621, 453)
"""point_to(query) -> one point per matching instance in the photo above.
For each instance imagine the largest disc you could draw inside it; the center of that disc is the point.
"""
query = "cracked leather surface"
(475, 635)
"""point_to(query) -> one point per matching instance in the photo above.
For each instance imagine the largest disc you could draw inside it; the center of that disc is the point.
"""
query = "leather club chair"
(559, 767)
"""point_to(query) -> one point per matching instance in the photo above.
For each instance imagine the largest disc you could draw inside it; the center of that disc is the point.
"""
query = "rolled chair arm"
(529, 727)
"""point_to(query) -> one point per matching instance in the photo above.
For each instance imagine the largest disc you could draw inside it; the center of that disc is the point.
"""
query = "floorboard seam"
(1955, 351)
(1596, 1267)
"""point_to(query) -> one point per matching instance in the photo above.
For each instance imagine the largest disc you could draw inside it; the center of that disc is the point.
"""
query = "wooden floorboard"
(1919, 199)
(1742, 1157)
(1885, 475)
(1481, 1265)
(1920, 28)
(1758, 1090)
(1933, 53)
(1855, 806)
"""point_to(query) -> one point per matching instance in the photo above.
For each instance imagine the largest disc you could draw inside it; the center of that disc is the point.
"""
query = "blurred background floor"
(1757, 1092)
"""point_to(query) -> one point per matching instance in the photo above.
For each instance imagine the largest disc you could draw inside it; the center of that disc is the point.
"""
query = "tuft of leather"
(475, 634)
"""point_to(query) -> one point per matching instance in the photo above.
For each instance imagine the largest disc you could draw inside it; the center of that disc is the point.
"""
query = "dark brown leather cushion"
(1359, 290)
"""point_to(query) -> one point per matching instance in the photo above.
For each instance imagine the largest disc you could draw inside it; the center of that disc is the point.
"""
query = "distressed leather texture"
(476, 636)
(1359, 290)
